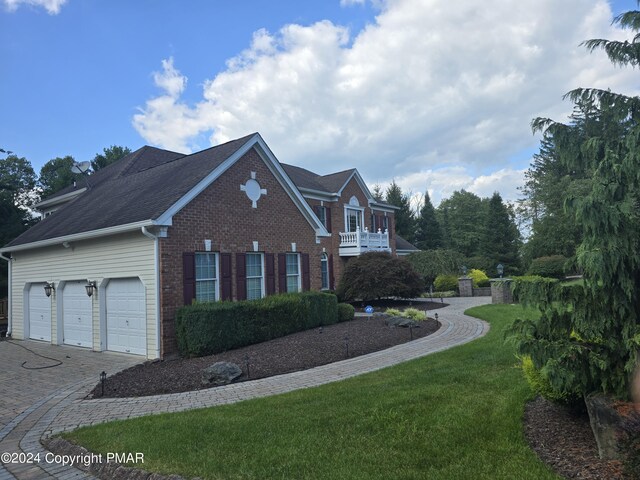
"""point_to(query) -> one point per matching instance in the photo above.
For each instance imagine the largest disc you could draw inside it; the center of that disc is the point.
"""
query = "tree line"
(21, 188)
(482, 231)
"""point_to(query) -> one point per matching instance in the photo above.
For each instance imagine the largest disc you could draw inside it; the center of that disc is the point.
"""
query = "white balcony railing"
(359, 242)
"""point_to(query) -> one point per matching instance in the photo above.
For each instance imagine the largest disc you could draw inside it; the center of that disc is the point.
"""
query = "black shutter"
(282, 272)
(225, 276)
(306, 277)
(241, 276)
(327, 213)
(189, 277)
(271, 274)
(331, 280)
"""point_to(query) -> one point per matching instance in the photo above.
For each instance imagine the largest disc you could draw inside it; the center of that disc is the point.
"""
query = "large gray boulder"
(220, 373)
(401, 322)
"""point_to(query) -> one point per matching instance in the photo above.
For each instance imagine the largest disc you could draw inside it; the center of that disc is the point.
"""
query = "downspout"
(156, 258)
(9, 295)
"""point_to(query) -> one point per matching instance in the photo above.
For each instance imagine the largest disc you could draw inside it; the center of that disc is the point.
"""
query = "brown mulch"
(384, 303)
(298, 351)
(563, 439)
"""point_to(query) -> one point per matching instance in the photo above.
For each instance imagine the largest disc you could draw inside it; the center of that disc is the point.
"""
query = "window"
(354, 222)
(322, 215)
(293, 272)
(324, 268)
(255, 276)
(207, 277)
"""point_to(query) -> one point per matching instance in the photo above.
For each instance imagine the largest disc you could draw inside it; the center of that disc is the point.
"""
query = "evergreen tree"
(462, 217)
(587, 338)
(428, 231)
(405, 221)
(501, 238)
(377, 193)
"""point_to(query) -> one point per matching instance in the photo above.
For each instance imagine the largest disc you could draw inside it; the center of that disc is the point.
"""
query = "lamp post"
(500, 269)
(103, 377)
(464, 270)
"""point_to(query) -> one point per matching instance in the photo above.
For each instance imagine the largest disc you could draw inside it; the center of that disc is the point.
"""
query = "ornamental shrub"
(375, 275)
(551, 267)
(446, 283)
(414, 314)
(540, 385)
(213, 327)
(431, 263)
(477, 276)
(346, 312)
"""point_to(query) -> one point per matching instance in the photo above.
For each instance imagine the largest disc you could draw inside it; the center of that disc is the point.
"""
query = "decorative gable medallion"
(253, 190)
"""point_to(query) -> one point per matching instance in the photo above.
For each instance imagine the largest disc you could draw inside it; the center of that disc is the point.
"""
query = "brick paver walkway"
(65, 409)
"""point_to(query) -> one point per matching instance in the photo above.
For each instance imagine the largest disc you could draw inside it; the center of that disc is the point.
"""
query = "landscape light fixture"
(90, 287)
(48, 288)
(500, 269)
(103, 377)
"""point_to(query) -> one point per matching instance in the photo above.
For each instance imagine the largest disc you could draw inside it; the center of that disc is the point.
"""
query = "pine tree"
(587, 338)
(428, 231)
(405, 221)
(501, 238)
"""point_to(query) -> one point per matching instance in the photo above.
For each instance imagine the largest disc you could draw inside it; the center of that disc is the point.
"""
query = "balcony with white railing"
(359, 242)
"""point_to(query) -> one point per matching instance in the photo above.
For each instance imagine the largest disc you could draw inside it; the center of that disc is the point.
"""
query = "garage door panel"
(126, 316)
(77, 315)
(39, 313)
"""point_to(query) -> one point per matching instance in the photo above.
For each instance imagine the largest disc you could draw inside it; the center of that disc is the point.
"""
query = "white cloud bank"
(51, 6)
(432, 90)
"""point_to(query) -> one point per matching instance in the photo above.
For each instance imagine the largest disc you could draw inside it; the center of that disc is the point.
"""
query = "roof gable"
(151, 187)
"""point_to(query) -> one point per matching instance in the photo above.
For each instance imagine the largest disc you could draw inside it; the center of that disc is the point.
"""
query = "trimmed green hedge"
(208, 328)
(346, 312)
(551, 267)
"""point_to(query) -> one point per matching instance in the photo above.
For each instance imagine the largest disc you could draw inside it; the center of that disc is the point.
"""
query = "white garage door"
(77, 315)
(126, 316)
(39, 313)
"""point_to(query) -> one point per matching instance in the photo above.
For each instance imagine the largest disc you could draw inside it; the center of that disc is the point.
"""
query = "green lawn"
(453, 415)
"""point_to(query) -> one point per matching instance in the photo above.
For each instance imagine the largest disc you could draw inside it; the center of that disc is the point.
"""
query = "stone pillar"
(465, 286)
(501, 290)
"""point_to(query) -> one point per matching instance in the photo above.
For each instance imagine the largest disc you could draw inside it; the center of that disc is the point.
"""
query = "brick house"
(111, 261)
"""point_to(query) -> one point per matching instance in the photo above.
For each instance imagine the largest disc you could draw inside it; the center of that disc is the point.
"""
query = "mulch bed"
(384, 303)
(563, 439)
(298, 351)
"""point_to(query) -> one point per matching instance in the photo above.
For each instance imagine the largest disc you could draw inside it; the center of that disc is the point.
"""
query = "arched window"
(324, 268)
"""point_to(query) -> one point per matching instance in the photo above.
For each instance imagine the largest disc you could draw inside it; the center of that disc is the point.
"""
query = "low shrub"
(540, 385)
(477, 276)
(550, 267)
(445, 283)
(346, 312)
(412, 313)
(208, 328)
(484, 283)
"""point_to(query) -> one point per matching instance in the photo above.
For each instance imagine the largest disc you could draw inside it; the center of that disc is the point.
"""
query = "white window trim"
(216, 291)
(346, 216)
(299, 274)
(262, 277)
(324, 259)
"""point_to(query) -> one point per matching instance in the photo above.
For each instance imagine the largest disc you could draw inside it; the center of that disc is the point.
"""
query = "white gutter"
(80, 236)
(9, 315)
(156, 259)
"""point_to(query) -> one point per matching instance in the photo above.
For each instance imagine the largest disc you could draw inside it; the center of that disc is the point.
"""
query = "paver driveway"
(27, 390)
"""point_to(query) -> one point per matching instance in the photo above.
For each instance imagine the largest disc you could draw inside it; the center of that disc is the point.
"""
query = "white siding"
(128, 255)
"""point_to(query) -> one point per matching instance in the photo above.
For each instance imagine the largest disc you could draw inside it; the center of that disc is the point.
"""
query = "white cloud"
(432, 86)
(51, 6)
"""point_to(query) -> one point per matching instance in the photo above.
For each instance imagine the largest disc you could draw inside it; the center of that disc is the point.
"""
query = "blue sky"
(435, 95)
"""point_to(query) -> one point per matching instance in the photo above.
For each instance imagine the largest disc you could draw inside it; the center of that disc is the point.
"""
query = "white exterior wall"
(119, 256)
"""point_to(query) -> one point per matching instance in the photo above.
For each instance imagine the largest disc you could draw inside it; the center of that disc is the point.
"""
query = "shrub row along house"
(112, 260)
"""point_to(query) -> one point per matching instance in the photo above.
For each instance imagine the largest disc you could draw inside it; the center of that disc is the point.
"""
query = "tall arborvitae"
(428, 231)
(405, 221)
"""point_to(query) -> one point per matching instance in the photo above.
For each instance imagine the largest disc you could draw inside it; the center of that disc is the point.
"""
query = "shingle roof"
(140, 187)
(402, 244)
(331, 183)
